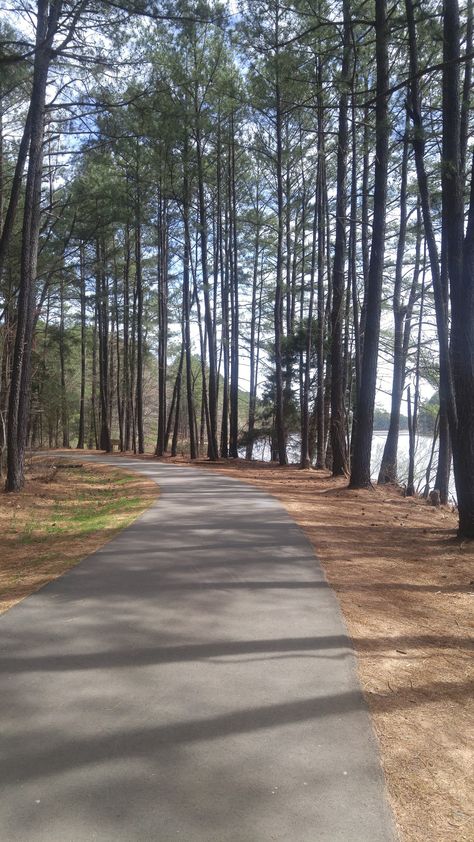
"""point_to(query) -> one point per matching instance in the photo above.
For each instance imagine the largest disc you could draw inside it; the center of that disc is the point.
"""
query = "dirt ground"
(405, 586)
(63, 514)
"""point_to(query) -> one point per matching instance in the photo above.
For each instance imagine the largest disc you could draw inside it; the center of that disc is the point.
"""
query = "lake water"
(422, 455)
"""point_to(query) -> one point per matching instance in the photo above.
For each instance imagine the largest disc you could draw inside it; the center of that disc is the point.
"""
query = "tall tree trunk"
(410, 491)
(161, 441)
(186, 313)
(103, 335)
(388, 467)
(82, 400)
(466, 89)
(448, 414)
(225, 250)
(426, 489)
(174, 441)
(111, 377)
(321, 203)
(93, 437)
(118, 355)
(139, 332)
(460, 255)
(62, 364)
(133, 366)
(338, 438)
(353, 281)
(8, 220)
(209, 323)
(2, 169)
(305, 458)
(413, 419)
(127, 389)
(234, 349)
(7, 349)
(360, 473)
(278, 306)
(20, 386)
(175, 398)
(365, 228)
(255, 316)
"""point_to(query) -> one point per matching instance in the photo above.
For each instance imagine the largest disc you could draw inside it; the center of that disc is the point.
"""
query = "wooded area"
(229, 223)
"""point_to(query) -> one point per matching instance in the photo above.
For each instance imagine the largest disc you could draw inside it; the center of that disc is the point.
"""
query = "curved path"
(191, 680)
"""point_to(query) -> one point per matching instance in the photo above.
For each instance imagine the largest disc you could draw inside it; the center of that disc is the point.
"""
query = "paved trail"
(190, 681)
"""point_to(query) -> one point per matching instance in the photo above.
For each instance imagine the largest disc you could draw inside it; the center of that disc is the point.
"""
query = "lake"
(422, 455)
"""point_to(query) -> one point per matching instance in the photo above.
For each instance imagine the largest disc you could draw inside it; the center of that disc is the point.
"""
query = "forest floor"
(63, 514)
(405, 586)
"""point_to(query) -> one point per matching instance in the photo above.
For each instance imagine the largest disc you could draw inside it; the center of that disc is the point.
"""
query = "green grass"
(56, 521)
(93, 509)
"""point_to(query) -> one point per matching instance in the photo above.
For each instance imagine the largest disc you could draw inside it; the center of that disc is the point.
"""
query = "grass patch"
(60, 517)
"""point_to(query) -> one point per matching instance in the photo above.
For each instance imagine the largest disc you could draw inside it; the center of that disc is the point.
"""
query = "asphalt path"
(191, 680)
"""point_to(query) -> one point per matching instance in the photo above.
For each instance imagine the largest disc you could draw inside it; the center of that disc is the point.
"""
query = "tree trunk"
(82, 400)
(360, 474)
(175, 398)
(338, 438)
(20, 386)
(388, 467)
(460, 255)
(103, 335)
(234, 296)
(255, 329)
(209, 323)
(466, 89)
(305, 458)
(139, 340)
(418, 141)
(278, 306)
(186, 313)
(224, 253)
(127, 390)
(8, 221)
(321, 322)
(118, 355)
(161, 441)
(174, 442)
(93, 438)
(62, 363)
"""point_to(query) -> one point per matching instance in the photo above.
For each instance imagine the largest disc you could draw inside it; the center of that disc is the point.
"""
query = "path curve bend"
(192, 680)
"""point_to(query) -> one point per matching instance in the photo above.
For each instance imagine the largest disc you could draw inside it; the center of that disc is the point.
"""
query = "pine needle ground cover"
(63, 514)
